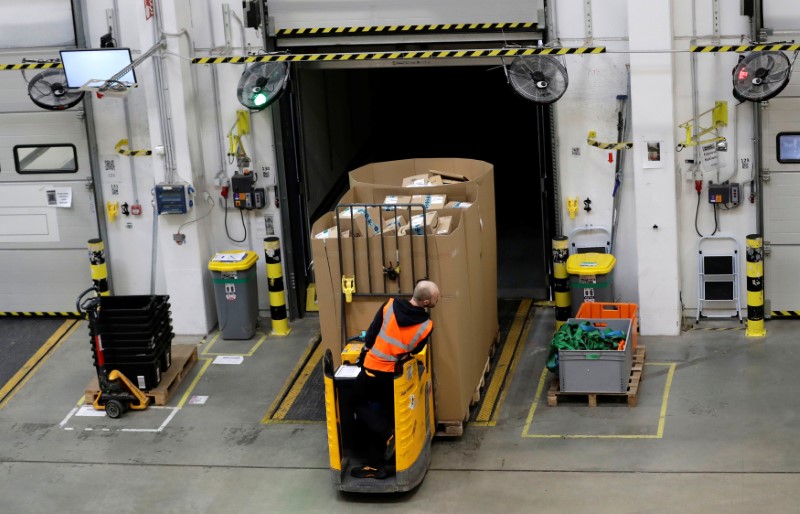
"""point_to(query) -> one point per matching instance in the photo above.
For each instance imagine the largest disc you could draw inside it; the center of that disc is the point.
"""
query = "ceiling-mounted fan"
(261, 84)
(48, 90)
(760, 76)
(539, 78)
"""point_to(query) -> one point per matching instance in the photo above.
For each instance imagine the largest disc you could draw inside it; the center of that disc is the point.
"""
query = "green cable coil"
(583, 336)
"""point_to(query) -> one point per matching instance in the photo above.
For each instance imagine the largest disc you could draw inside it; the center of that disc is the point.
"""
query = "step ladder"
(718, 278)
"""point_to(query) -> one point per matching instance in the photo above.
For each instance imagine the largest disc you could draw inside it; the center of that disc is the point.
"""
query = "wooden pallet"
(184, 356)
(632, 394)
(476, 395)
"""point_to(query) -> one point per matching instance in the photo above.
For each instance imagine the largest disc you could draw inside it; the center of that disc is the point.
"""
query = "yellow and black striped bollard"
(561, 280)
(277, 297)
(755, 286)
(97, 259)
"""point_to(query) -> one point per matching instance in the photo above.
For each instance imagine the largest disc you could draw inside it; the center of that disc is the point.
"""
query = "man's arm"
(422, 344)
(374, 328)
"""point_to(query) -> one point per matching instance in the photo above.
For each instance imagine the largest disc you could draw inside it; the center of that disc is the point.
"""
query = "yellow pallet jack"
(414, 423)
(117, 393)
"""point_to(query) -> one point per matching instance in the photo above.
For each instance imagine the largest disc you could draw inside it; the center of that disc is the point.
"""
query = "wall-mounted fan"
(262, 84)
(49, 91)
(539, 78)
(761, 76)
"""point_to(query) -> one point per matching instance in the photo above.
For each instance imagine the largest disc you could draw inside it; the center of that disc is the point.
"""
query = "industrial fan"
(262, 84)
(539, 78)
(49, 91)
(761, 76)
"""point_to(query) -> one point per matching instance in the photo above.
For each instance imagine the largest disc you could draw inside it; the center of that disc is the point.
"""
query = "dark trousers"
(374, 408)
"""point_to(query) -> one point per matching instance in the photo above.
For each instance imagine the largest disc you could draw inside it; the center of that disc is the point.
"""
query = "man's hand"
(362, 356)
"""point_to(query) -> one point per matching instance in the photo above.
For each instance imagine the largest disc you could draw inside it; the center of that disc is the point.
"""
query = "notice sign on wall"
(710, 157)
(59, 197)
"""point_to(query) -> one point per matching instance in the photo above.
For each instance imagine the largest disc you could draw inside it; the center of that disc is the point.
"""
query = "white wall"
(589, 104)
(181, 271)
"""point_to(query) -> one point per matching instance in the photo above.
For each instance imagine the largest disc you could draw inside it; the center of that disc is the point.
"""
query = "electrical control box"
(259, 198)
(173, 198)
(725, 194)
(243, 191)
(245, 196)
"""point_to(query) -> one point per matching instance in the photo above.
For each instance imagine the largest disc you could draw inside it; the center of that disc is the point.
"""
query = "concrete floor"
(716, 430)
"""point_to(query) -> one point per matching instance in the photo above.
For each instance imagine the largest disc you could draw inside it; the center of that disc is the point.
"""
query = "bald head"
(426, 294)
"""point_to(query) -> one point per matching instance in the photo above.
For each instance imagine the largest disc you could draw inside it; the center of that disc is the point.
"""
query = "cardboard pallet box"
(459, 335)
(431, 202)
(330, 232)
(422, 180)
(360, 220)
(443, 227)
(424, 222)
(464, 171)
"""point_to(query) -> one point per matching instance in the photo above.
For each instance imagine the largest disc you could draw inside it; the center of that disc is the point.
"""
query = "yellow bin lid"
(233, 260)
(590, 263)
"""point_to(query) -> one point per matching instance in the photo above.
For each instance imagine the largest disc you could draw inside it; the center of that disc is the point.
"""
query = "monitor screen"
(81, 66)
(788, 146)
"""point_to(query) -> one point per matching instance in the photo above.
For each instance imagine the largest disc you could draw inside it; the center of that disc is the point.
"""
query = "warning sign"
(710, 157)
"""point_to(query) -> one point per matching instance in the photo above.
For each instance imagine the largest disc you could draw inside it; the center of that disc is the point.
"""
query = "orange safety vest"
(393, 341)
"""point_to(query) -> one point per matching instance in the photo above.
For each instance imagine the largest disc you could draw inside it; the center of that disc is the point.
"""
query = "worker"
(400, 328)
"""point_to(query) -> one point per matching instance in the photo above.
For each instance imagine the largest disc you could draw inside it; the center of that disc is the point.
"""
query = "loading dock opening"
(347, 117)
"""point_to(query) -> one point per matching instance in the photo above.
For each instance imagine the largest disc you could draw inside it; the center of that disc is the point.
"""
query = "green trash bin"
(236, 292)
(591, 278)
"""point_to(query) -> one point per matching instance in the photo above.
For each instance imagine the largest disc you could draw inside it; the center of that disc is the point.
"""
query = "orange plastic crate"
(606, 310)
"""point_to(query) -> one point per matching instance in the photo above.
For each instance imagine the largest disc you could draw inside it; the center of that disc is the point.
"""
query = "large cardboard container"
(479, 173)
(459, 339)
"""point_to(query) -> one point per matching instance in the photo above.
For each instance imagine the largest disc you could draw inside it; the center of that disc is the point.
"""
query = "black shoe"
(368, 472)
(389, 453)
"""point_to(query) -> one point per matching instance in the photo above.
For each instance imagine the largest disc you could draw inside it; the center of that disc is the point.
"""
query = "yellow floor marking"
(299, 383)
(504, 363)
(188, 392)
(661, 420)
(514, 361)
(210, 343)
(286, 385)
(35, 362)
(206, 350)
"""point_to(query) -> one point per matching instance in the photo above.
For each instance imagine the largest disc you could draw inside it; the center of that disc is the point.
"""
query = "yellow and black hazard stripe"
(122, 149)
(560, 245)
(745, 48)
(30, 66)
(41, 315)
(784, 315)
(415, 54)
(386, 30)
(592, 140)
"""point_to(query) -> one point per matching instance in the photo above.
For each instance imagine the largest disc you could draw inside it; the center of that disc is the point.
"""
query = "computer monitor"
(788, 147)
(81, 66)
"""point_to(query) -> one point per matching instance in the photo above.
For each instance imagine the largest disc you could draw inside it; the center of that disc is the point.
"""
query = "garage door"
(47, 211)
(781, 192)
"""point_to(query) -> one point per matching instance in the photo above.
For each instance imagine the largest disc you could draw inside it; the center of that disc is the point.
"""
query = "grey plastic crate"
(601, 371)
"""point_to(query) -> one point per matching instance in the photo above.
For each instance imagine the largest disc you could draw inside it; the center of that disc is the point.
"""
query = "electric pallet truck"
(414, 421)
(117, 394)
(414, 424)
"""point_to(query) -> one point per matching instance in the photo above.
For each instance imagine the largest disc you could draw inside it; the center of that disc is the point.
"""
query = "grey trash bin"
(236, 293)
